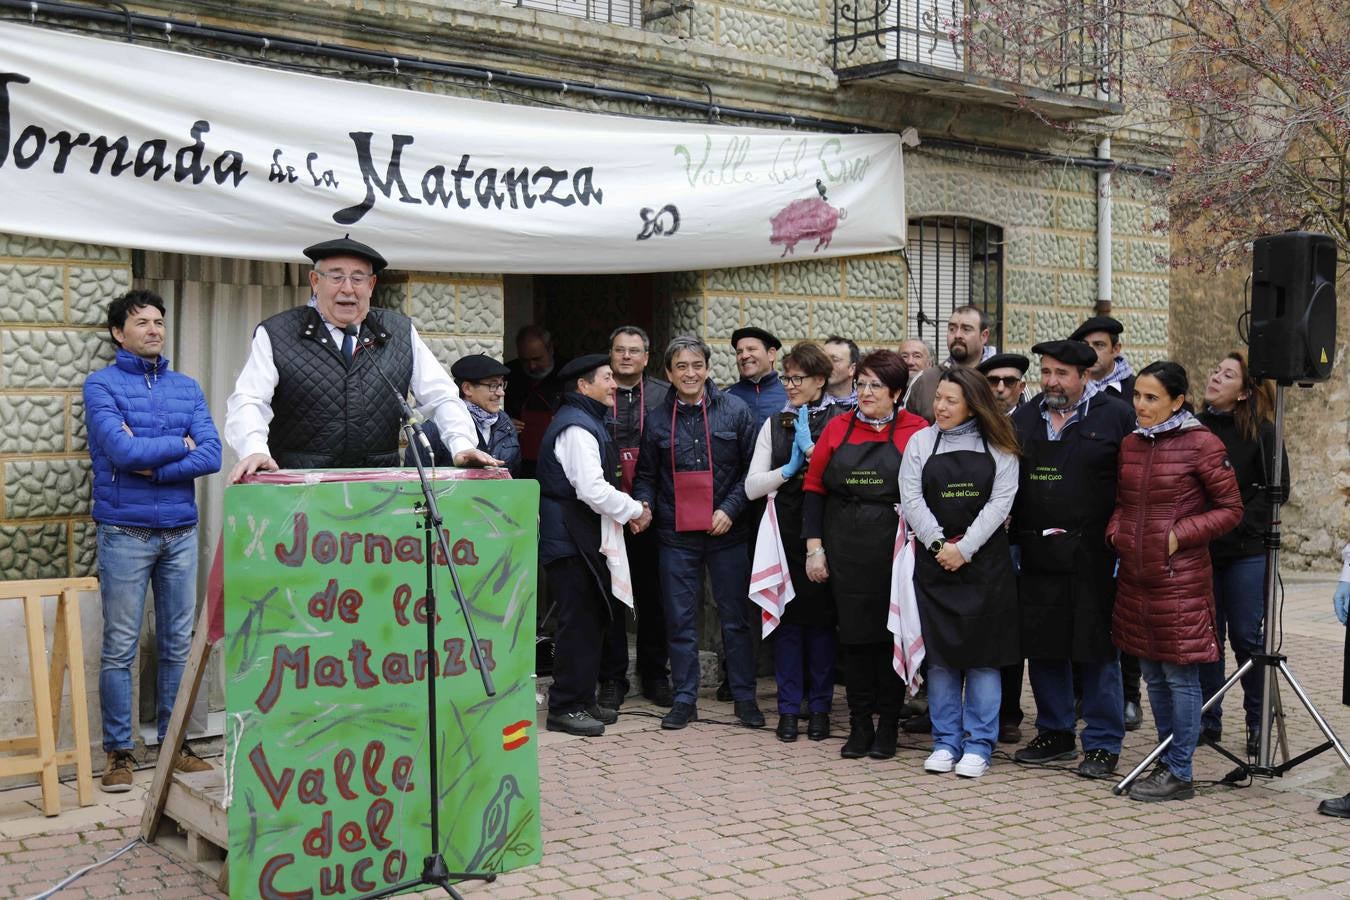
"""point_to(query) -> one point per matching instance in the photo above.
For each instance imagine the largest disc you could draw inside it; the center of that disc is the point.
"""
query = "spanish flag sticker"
(517, 735)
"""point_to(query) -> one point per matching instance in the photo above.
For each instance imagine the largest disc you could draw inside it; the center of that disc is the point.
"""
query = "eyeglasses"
(875, 387)
(628, 351)
(1005, 380)
(795, 380)
(492, 387)
(356, 279)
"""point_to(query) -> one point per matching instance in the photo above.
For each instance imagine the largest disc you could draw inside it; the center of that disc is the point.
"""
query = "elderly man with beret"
(1070, 436)
(318, 389)
(482, 383)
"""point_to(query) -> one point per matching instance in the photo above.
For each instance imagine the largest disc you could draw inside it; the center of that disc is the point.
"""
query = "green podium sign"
(328, 750)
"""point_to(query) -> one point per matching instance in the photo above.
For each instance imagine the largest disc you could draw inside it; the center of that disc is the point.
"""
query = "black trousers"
(653, 663)
(1010, 708)
(583, 617)
(870, 683)
(1129, 678)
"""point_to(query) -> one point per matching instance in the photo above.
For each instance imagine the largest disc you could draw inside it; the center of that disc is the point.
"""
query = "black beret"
(345, 246)
(760, 334)
(1005, 361)
(1095, 324)
(476, 368)
(582, 365)
(1071, 352)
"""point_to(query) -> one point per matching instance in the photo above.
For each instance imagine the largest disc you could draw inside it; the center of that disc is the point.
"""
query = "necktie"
(349, 343)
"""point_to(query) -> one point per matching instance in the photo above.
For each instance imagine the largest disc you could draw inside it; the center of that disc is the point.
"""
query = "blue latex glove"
(1341, 600)
(794, 463)
(803, 429)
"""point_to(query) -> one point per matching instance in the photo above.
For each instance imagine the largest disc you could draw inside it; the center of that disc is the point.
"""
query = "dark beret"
(1095, 324)
(768, 339)
(582, 365)
(1005, 361)
(476, 368)
(345, 246)
(1071, 352)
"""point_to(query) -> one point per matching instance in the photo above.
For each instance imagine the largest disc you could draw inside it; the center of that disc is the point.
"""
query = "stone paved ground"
(716, 811)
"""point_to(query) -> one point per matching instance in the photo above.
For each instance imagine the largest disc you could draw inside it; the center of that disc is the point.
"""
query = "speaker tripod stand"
(1271, 661)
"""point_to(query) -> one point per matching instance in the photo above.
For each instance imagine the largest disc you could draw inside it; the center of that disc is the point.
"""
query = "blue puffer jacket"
(731, 426)
(160, 407)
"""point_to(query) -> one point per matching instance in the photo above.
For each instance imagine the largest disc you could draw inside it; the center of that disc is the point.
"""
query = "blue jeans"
(1174, 697)
(1239, 601)
(728, 568)
(1103, 707)
(126, 567)
(968, 725)
(803, 663)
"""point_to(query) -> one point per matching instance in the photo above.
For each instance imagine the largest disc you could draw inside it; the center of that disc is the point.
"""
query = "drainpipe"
(1103, 305)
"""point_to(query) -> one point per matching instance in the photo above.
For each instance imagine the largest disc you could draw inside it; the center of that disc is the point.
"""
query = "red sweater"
(832, 438)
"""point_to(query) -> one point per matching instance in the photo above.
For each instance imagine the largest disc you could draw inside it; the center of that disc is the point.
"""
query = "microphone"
(410, 416)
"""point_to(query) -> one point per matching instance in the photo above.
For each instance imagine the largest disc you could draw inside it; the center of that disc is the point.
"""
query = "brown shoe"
(187, 761)
(118, 774)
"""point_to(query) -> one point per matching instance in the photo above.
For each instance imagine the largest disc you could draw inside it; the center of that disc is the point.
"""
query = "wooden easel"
(193, 802)
(47, 682)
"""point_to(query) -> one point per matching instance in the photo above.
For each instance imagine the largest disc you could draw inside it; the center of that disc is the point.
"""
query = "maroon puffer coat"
(1180, 481)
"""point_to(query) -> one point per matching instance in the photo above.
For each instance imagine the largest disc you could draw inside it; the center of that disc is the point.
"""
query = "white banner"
(113, 143)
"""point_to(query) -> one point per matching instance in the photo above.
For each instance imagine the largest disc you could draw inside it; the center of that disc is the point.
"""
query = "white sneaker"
(972, 765)
(939, 761)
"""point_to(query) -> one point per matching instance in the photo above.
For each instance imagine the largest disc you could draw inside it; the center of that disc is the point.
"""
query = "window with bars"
(953, 262)
(615, 12)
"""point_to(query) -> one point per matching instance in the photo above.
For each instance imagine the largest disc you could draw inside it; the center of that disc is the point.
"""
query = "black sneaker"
(602, 713)
(1134, 716)
(611, 694)
(748, 712)
(578, 722)
(1161, 785)
(680, 715)
(1098, 763)
(658, 691)
(1048, 746)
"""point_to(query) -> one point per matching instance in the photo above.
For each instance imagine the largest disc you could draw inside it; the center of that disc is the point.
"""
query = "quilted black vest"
(324, 415)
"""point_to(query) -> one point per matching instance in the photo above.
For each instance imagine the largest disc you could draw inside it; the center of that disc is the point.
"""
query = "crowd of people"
(860, 512)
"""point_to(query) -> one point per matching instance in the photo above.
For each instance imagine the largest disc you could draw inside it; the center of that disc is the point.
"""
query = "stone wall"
(52, 310)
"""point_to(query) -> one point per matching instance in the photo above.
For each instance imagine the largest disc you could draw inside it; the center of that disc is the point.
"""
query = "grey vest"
(324, 415)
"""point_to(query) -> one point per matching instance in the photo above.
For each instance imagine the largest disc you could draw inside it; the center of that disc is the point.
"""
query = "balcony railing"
(1055, 50)
(615, 12)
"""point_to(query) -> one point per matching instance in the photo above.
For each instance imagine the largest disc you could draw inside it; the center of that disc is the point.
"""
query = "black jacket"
(1251, 463)
(732, 428)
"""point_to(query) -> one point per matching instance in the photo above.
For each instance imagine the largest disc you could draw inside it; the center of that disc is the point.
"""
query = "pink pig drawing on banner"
(802, 220)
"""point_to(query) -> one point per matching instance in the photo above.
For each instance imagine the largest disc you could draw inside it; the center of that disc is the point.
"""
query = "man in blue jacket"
(696, 449)
(759, 387)
(150, 437)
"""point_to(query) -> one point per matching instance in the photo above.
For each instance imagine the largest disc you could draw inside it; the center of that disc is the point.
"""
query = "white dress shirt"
(248, 412)
(579, 455)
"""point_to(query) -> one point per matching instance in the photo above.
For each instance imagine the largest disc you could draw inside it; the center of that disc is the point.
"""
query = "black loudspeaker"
(1292, 337)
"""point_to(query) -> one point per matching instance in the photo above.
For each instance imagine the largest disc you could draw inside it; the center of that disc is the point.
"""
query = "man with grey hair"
(696, 449)
(636, 397)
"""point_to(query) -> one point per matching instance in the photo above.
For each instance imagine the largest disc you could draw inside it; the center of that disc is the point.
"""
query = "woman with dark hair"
(850, 522)
(958, 484)
(1176, 493)
(1240, 411)
(803, 647)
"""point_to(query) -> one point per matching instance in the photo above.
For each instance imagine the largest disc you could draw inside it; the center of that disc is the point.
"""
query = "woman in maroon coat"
(1175, 494)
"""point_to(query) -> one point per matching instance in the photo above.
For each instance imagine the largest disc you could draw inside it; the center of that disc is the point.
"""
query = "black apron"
(813, 605)
(1066, 587)
(968, 617)
(862, 488)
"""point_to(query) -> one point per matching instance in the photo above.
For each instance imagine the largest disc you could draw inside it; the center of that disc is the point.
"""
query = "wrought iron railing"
(1067, 47)
(615, 12)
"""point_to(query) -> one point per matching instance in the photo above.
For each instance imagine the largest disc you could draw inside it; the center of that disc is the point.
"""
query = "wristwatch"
(935, 547)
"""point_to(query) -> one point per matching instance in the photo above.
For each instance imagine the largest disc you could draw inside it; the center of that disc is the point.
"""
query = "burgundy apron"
(628, 456)
(693, 490)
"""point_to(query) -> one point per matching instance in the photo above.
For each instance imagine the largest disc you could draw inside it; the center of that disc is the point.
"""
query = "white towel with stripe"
(615, 552)
(903, 619)
(770, 582)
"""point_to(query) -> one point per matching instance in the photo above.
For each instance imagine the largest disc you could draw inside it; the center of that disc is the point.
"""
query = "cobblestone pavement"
(720, 811)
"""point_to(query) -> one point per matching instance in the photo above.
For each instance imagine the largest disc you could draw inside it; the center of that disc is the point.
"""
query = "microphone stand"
(435, 872)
